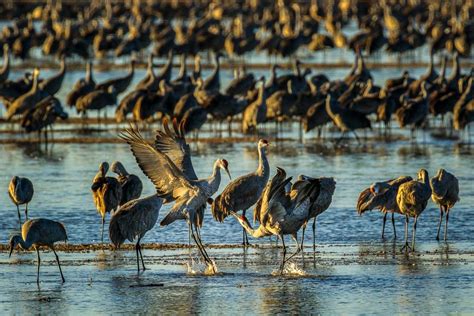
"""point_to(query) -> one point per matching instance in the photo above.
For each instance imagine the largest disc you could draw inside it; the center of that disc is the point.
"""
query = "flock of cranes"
(350, 104)
(102, 29)
(280, 206)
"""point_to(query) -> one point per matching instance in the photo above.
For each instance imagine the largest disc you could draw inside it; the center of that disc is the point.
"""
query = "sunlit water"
(355, 271)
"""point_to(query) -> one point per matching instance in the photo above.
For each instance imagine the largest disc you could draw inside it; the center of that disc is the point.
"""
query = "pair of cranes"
(409, 197)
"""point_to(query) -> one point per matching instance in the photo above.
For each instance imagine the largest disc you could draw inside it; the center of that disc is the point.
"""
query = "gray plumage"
(106, 192)
(132, 220)
(412, 198)
(131, 184)
(321, 199)
(382, 196)
(53, 84)
(445, 193)
(243, 192)
(255, 112)
(281, 212)
(172, 184)
(121, 84)
(21, 192)
(40, 232)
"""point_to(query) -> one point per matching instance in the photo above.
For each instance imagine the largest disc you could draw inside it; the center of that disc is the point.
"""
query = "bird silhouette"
(21, 192)
(40, 232)
(445, 193)
(132, 220)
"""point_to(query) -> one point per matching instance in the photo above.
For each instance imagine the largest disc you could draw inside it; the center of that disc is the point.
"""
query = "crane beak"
(228, 173)
(11, 250)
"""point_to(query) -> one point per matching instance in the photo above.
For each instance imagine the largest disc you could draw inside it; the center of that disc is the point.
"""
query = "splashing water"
(290, 269)
(196, 267)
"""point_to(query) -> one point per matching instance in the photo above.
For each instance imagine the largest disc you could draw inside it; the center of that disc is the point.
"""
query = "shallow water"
(354, 271)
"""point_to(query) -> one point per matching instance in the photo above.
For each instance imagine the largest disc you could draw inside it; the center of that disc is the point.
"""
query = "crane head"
(14, 240)
(263, 143)
(224, 164)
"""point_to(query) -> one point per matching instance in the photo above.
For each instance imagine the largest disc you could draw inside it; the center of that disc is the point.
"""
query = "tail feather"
(115, 234)
(218, 209)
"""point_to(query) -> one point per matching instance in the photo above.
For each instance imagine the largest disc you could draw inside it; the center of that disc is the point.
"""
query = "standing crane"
(445, 193)
(131, 184)
(107, 193)
(382, 196)
(412, 198)
(21, 192)
(243, 192)
(282, 213)
(169, 173)
(133, 220)
(40, 232)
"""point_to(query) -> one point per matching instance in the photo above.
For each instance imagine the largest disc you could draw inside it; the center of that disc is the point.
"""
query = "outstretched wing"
(268, 191)
(173, 144)
(170, 182)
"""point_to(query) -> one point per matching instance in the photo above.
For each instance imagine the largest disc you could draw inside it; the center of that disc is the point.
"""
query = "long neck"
(443, 69)
(329, 108)
(89, 77)
(215, 179)
(182, 70)
(263, 166)
(23, 244)
(455, 71)
(35, 82)
(255, 233)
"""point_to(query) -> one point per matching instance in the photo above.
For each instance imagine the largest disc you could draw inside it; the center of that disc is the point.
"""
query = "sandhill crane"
(243, 192)
(445, 193)
(345, 119)
(53, 84)
(132, 220)
(43, 115)
(27, 100)
(96, 100)
(412, 198)
(382, 196)
(21, 192)
(119, 84)
(282, 213)
(40, 232)
(414, 111)
(255, 112)
(131, 184)
(82, 87)
(213, 82)
(321, 198)
(107, 193)
(168, 165)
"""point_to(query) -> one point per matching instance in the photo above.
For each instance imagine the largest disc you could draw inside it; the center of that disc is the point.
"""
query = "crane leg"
(38, 269)
(414, 233)
(138, 259)
(446, 224)
(440, 221)
(357, 137)
(102, 231)
(298, 249)
(406, 246)
(340, 138)
(284, 254)
(302, 242)
(245, 239)
(393, 225)
(59, 265)
(314, 235)
(383, 224)
(26, 212)
(19, 216)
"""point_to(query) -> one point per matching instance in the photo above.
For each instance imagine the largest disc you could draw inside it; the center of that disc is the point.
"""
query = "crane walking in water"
(445, 193)
(243, 192)
(40, 232)
(107, 193)
(131, 184)
(282, 213)
(21, 192)
(132, 221)
(412, 198)
(168, 170)
(382, 196)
